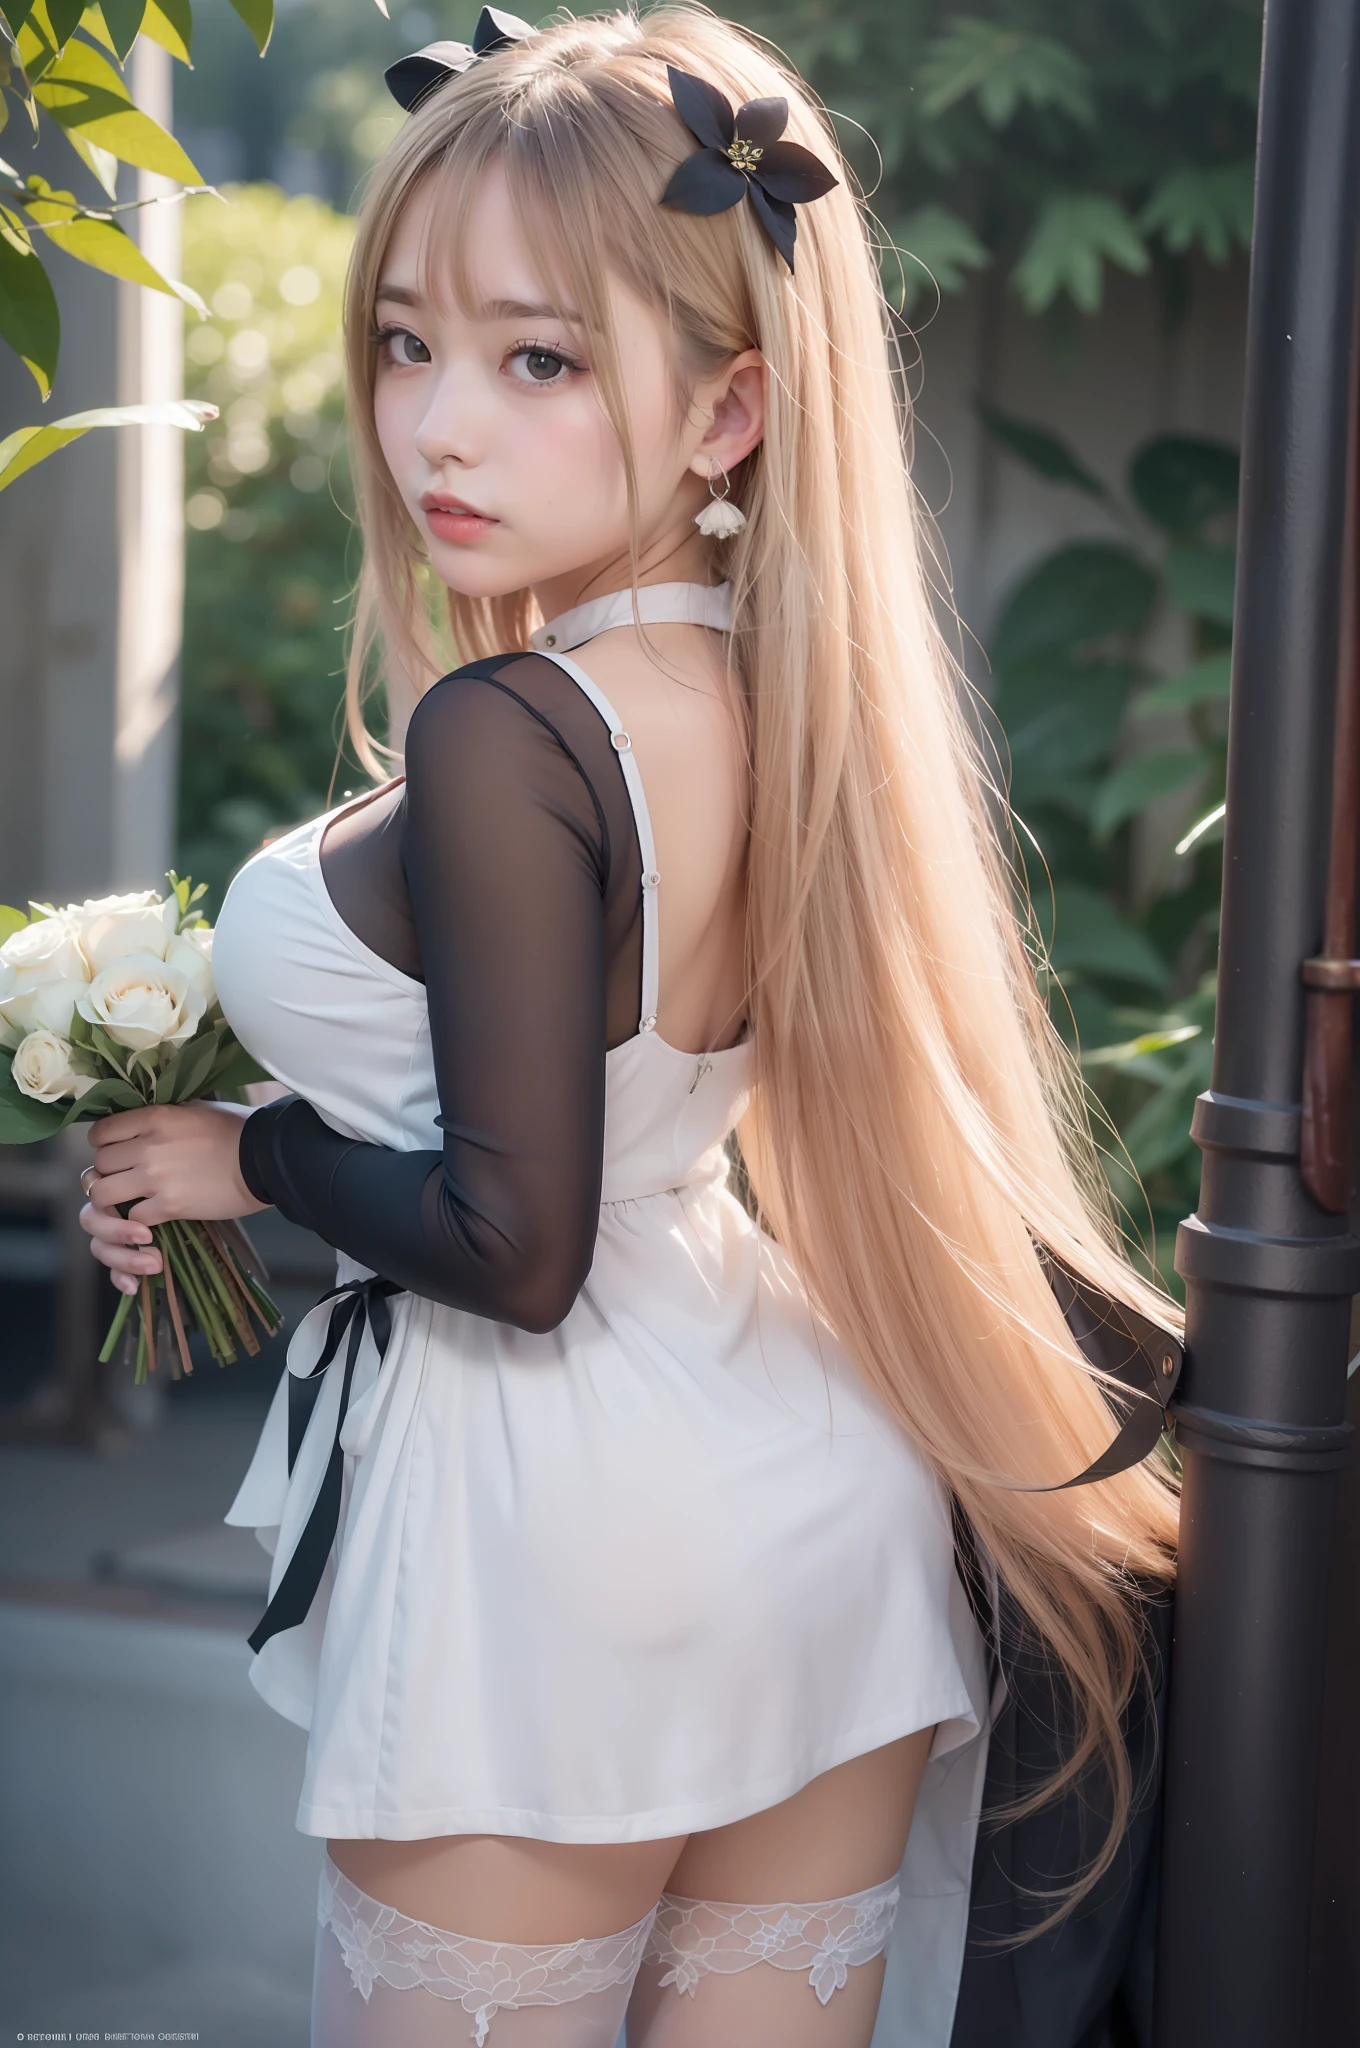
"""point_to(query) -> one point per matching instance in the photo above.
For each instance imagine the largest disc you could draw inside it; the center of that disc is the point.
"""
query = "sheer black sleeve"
(505, 852)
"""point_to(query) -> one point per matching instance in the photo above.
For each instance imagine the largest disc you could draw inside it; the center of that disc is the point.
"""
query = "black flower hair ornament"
(742, 158)
(412, 79)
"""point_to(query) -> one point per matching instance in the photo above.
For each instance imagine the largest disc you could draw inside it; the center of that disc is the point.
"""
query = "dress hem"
(381, 1824)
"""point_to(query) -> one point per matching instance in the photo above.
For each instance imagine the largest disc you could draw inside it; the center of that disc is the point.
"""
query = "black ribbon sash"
(359, 1304)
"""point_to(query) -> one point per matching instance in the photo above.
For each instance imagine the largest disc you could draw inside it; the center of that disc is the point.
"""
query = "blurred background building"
(1064, 192)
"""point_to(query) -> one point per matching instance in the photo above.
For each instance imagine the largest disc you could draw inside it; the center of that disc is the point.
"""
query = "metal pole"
(1268, 1273)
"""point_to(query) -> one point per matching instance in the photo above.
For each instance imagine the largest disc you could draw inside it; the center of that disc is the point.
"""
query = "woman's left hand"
(179, 1161)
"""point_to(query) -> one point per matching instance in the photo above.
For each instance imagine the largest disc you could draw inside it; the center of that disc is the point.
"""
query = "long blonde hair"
(917, 1126)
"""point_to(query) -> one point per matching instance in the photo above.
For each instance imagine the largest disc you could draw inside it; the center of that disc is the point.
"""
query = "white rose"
(9, 1033)
(141, 1002)
(112, 927)
(191, 953)
(44, 1069)
(45, 953)
(50, 1006)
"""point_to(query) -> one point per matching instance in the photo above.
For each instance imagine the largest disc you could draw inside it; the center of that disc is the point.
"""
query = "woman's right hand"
(122, 1245)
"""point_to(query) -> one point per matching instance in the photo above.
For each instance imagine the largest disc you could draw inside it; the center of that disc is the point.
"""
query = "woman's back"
(675, 693)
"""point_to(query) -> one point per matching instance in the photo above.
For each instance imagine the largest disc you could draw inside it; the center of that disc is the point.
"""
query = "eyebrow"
(495, 309)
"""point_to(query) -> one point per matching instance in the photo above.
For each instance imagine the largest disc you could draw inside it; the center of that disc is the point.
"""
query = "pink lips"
(451, 519)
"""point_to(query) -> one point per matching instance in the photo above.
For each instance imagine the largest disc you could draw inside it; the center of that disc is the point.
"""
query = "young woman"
(613, 1572)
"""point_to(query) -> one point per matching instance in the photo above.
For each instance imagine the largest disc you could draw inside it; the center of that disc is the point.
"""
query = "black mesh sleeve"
(505, 854)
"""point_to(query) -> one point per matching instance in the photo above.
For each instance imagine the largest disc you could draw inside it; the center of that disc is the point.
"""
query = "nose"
(449, 429)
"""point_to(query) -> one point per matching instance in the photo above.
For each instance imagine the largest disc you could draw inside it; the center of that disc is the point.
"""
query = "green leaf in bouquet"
(11, 920)
(238, 1069)
(191, 1069)
(103, 1099)
(114, 1055)
(22, 1120)
(81, 1032)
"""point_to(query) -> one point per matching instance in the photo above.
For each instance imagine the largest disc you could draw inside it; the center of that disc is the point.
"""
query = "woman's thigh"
(505, 1888)
(841, 1834)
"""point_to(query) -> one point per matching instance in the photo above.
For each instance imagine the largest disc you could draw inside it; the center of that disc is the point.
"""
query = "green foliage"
(1052, 136)
(1098, 737)
(62, 61)
(266, 585)
(28, 445)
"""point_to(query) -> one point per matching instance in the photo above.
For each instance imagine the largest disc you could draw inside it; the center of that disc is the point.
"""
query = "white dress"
(645, 1574)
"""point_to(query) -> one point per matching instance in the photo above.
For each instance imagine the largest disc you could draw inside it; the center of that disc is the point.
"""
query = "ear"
(734, 405)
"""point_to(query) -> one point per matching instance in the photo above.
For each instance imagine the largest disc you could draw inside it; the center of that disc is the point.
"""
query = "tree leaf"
(115, 23)
(1200, 580)
(938, 245)
(101, 243)
(171, 24)
(1180, 482)
(1074, 236)
(1138, 782)
(101, 163)
(27, 446)
(16, 13)
(1209, 205)
(1060, 720)
(29, 320)
(1004, 68)
(1206, 683)
(258, 16)
(1091, 936)
(64, 16)
(1038, 449)
(83, 92)
(1092, 592)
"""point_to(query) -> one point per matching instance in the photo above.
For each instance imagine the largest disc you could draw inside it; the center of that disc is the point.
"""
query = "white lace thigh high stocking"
(382, 1980)
(695, 1939)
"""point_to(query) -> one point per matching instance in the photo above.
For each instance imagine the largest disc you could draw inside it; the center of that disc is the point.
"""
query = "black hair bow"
(742, 157)
(411, 79)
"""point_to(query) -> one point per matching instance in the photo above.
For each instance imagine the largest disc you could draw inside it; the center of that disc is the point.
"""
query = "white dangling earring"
(720, 519)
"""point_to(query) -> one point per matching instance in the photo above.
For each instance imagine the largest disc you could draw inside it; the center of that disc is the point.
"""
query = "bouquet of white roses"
(110, 1005)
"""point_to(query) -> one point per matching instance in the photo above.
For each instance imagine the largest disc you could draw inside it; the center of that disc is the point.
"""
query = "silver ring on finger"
(87, 1174)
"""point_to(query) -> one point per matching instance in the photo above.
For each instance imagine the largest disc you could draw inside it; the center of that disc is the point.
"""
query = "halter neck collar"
(658, 604)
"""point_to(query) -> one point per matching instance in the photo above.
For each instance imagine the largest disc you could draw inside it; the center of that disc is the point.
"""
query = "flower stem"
(120, 1316)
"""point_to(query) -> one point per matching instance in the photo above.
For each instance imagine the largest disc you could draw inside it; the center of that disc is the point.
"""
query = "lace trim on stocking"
(378, 1942)
(695, 1936)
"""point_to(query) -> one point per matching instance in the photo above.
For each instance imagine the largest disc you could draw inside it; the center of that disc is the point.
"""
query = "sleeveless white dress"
(645, 1574)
